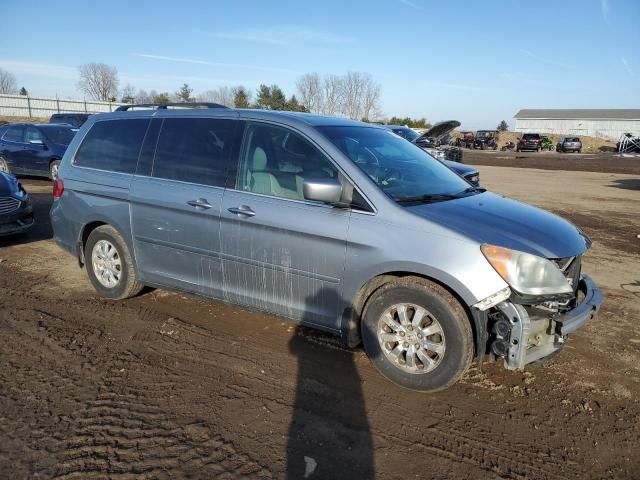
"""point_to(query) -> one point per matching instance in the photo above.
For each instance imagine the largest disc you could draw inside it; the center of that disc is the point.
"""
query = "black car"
(75, 119)
(34, 149)
(16, 214)
(431, 142)
(529, 141)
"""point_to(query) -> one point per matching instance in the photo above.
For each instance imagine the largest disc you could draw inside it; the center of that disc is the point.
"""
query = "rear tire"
(53, 169)
(110, 265)
(417, 334)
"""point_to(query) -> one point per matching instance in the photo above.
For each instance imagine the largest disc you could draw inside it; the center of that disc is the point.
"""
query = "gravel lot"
(165, 385)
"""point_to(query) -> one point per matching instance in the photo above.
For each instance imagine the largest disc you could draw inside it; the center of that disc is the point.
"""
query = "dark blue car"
(16, 214)
(32, 149)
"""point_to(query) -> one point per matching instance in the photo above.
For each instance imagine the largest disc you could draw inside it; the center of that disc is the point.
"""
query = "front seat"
(260, 180)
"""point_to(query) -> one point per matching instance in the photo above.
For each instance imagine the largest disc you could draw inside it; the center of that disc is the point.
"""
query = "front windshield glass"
(60, 135)
(401, 169)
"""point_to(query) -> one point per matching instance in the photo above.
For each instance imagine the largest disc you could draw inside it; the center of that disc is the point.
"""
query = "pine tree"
(278, 99)
(161, 98)
(241, 98)
(503, 126)
(23, 92)
(184, 94)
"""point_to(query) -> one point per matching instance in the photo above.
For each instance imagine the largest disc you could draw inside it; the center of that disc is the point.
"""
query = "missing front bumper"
(535, 337)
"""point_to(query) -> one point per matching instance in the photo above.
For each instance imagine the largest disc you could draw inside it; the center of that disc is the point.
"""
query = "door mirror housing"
(322, 190)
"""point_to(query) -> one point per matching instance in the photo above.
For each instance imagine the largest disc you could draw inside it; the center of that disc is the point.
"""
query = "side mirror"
(322, 190)
(36, 142)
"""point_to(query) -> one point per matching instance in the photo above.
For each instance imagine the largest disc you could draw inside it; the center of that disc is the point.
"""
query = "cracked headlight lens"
(525, 273)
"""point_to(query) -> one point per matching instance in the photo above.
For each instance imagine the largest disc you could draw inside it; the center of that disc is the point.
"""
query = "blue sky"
(475, 61)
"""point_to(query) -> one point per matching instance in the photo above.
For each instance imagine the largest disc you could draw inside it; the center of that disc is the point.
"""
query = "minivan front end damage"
(524, 330)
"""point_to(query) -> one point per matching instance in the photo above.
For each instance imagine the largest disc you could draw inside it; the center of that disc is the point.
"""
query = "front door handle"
(243, 210)
(200, 203)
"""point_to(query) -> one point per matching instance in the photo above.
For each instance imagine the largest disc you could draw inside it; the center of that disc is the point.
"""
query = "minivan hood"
(439, 130)
(497, 220)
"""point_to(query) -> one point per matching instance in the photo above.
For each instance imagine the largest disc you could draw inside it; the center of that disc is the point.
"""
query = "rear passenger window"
(113, 145)
(195, 150)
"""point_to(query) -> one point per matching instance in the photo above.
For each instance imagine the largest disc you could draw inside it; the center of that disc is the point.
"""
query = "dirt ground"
(165, 385)
(598, 162)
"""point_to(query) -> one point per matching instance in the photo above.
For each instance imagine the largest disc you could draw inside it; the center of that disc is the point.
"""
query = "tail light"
(58, 188)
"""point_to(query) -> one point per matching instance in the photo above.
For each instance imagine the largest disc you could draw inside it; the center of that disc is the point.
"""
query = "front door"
(176, 201)
(281, 253)
(11, 147)
(35, 155)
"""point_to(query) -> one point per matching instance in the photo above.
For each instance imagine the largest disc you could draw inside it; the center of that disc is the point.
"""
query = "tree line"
(354, 95)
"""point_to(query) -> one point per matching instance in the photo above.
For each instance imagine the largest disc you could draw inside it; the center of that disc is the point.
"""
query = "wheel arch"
(85, 231)
(352, 318)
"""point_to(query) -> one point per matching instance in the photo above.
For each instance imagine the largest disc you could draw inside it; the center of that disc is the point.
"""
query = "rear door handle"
(200, 203)
(243, 210)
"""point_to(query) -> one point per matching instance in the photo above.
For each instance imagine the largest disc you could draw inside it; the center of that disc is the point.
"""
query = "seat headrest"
(259, 161)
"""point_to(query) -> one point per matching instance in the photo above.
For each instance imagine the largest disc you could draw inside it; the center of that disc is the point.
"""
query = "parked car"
(469, 173)
(34, 149)
(75, 119)
(334, 223)
(486, 140)
(16, 214)
(529, 141)
(436, 141)
(569, 144)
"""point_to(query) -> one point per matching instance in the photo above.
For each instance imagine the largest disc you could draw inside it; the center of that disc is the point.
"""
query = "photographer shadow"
(329, 435)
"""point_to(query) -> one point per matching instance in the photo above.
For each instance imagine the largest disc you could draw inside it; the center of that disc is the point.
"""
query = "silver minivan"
(337, 224)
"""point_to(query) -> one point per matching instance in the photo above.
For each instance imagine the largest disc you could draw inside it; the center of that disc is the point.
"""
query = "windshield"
(60, 135)
(401, 169)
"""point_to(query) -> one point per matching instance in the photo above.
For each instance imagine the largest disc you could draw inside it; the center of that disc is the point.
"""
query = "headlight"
(525, 273)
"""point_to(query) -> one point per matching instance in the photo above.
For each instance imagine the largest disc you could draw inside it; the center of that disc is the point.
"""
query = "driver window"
(276, 161)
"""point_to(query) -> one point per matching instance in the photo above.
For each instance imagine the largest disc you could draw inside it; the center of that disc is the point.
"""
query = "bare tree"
(309, 88)
(332, 94)
(223, 96)
(7, 82)
(128, 94)
(143, 97)
(353, 92)
(98, 80)
(370, 98)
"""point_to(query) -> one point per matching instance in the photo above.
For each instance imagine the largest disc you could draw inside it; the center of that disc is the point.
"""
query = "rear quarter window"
(113, 145)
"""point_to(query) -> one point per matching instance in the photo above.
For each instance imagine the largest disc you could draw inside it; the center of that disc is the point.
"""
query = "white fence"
(32, 107)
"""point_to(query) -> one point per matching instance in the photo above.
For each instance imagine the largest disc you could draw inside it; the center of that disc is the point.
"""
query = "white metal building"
(603, 123)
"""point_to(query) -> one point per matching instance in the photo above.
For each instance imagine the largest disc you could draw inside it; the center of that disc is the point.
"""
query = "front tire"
(4, 166)
(110, 265)
(417, 334)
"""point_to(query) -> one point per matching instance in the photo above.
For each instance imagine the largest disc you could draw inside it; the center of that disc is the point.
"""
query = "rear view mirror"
(324, 190)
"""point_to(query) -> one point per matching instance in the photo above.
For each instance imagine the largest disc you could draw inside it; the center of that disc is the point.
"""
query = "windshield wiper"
(474, 190)
(428, 198)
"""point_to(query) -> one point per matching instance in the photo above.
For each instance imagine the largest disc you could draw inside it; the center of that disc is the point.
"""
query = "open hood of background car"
(438, 131)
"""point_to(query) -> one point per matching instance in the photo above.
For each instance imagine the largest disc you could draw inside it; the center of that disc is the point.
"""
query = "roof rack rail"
(163, 106)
